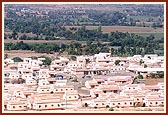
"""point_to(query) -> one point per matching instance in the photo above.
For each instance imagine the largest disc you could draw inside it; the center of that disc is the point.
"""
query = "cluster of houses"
(46, 88)
(109, 93)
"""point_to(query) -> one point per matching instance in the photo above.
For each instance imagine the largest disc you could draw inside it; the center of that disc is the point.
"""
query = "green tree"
(140, 76)
(117, 62)
(145, 66)
(6, 56)
(47, 60)
(111, 109)
(17, 59)
(141, 61)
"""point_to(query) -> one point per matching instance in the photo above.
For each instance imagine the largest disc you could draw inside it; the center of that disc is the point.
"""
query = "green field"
(157, 35)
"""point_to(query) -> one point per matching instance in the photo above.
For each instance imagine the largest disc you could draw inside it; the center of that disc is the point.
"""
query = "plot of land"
(130, 29)
(37, 41)
(24, 54)
(153, 81)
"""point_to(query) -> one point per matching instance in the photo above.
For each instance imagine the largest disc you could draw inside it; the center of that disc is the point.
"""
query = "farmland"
(130, 29)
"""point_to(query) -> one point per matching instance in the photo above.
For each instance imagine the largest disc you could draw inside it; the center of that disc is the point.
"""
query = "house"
(98, 103)
(95, 93)
(53, 104)
(62, 82)
(121, 101)
(31, 82)
(71, 95)
(8, 61)
(91, 84)
(154, 101)
(109, 88)
(59, 64)
(16, 106)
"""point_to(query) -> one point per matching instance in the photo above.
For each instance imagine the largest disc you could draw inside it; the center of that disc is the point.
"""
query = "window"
(58, 105)
(45, 105)
(13, 106)
(39, 106)
(130, 103)
(66, 89)
(75, 96)
(61, 89)
(137, 99)
(156, 102)
(102, 103)
(52, 105)
(113, 103)
(20, 106)
(118, 103)
(69, 97)
(150, 102)
(96, 104)
(125, 103)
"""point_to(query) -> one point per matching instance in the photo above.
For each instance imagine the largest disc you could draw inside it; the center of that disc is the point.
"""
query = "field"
(154, 81)
(24, 54)
(38, 41)
(130, 29)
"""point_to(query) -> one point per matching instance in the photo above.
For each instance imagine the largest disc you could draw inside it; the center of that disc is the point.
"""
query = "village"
(90, 83)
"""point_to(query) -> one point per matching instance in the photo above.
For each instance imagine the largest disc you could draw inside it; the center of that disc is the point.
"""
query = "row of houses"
(46, 88)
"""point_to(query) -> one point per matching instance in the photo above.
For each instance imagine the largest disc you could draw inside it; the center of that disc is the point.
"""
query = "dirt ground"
(107, 29)
(25, 54)
(153, 81)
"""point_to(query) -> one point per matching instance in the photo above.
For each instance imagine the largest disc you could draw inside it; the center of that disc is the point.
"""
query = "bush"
(117, 62)
(140, 76)
(17, 59)
(47, 60)
(111, 109)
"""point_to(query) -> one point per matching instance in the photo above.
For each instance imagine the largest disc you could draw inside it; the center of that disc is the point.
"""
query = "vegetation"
(117, 62)
(17, 59)
(21, 21)
(145, 66)
(111, 109)
(140, 76)
(156, 75)
(47, 60)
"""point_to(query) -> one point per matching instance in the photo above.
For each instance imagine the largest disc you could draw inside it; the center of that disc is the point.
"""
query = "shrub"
(111, 109)
(17, 59)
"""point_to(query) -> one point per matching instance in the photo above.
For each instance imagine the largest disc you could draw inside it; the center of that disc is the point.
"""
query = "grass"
(142, 18)
(130, 29)
(157, 35)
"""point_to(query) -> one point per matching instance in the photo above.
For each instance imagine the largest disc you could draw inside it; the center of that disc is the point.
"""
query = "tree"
(6, 56)
(141, 61)
(47, 60)
(111, 109)
(73, 58)
(14, 35)
(117, 62)
(17, 59)
(140, 76)
(145, 66)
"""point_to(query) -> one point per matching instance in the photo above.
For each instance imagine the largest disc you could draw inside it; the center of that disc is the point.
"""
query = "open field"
(24, 54)
(156, 35)
(37, 41)
(130, 29)
(154, 81)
